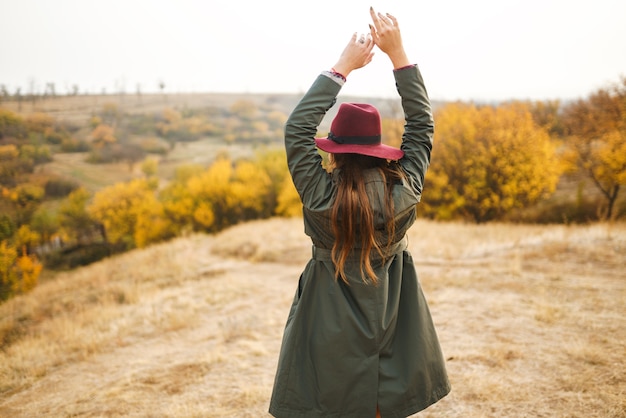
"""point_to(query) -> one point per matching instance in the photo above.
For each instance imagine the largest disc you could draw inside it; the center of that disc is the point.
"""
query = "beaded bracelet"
(337, 74)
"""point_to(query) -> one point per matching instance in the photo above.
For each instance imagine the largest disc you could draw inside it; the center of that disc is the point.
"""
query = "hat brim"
(379, 150)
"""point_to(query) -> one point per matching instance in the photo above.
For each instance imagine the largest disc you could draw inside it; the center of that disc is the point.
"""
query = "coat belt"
(325, 254)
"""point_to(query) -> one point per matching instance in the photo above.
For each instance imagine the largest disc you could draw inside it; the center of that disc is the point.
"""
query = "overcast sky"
(467, 50)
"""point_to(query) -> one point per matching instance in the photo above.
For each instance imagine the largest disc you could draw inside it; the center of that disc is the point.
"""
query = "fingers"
(382, 22)
(373, 33)
(393, 19)
(374, 19)
(363, 40)
(386, 20)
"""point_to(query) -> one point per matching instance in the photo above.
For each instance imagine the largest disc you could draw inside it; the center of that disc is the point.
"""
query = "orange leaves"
(288, 202)
(18, 273)
(8, 152)
(39, 122)
(102, 136)
(130, 213)
(596, 136)
(224, 194)
(488, 160)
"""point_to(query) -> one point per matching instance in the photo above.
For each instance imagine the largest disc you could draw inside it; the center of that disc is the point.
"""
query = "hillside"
(531, 320)
(79, 108)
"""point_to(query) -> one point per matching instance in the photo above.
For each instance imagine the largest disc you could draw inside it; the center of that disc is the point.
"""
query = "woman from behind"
(359, 339)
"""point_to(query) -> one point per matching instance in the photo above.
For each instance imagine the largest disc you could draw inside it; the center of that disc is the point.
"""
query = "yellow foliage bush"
(130, 213)
(39, 122)
(289, 204)
(488, 160)
(8, 152)
(18, 274)
(596, 138)
(223, 194)
(103, 135)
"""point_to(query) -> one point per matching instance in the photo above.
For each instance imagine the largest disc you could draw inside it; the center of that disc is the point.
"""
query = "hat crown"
(356, 120)
(356, 129)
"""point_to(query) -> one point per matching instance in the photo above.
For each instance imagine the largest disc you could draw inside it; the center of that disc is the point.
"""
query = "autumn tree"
(39, 122)
(171, 120)
(10, 166)
(149, 167)
(45, 223)
(180, 204)
(222, 195)
(25, 198)
(202, 201)
(130, 214)
(274, 163)
(11, 124)
(288, 202)
(596, 134)
(132, 153)
(74, 219)
(175, 126)
(35, 154)
(546, 114)
(19, 271)
(102, 136)
(487, 161)
(244, 109)
(248, 195)
(7, 227)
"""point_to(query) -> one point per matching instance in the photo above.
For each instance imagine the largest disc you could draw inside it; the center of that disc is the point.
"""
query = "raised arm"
(310, 179)
(417, 139)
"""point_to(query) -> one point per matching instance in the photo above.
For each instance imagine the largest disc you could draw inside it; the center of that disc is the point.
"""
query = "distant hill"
(80, 107)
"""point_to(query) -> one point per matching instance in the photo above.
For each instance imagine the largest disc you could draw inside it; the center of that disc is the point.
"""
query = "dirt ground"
(530, 318)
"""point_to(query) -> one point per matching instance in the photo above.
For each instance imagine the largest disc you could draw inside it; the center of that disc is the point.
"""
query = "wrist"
(341, 71)
(399, 60)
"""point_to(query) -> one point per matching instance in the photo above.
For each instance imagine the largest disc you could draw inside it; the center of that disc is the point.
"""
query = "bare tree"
(162, 88)
(50, 90)
(4, 93)
(18, 97)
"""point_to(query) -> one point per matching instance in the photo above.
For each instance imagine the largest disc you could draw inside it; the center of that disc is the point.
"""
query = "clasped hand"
(385, 34)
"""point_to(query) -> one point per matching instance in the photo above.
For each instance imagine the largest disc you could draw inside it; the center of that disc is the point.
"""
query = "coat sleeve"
(312, 181)
(417, 139)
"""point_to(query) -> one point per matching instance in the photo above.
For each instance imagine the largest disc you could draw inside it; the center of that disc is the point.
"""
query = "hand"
(357, 54)
(386, 35)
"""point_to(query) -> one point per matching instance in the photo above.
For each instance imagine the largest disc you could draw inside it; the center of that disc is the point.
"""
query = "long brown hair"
(352, 216)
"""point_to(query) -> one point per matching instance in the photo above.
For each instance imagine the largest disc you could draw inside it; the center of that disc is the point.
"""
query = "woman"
(359, 340)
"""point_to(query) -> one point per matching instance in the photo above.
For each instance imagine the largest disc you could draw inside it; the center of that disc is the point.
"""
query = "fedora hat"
(356, 129)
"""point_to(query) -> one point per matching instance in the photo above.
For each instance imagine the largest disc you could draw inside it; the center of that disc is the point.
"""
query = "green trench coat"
(348, 349)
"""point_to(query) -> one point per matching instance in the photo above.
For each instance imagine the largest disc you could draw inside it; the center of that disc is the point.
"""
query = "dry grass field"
(531, 319)
(79, 108)
(94, 177)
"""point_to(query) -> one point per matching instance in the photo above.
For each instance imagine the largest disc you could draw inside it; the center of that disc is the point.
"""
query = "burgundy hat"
(356, 130)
